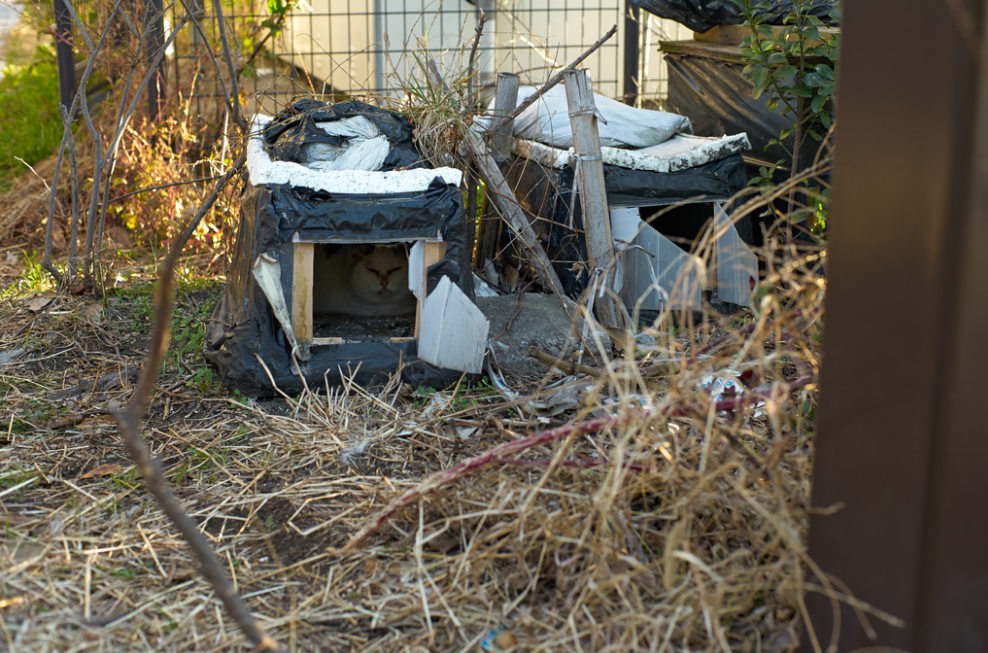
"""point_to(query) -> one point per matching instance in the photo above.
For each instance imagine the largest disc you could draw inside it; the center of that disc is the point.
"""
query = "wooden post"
(502, 127)
(302, 296)
(593, 194)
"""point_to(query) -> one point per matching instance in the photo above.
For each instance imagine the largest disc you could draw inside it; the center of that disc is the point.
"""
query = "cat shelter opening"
(345, 272)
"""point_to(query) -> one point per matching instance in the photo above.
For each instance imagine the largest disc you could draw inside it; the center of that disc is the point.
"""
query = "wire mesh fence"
(371, 48)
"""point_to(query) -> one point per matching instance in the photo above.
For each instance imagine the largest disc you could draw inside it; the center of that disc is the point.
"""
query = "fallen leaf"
(36, 303)
(110, 469)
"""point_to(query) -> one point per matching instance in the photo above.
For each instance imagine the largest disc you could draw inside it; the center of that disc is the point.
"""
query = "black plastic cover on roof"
(296, 126)
(702, 15)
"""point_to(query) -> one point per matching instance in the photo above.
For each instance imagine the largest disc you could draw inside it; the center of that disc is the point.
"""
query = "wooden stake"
(502, 127)
(593, 194)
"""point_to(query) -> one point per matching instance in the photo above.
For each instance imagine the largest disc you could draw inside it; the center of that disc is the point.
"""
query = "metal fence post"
(63, 53)
(155, 24)
(632, 53)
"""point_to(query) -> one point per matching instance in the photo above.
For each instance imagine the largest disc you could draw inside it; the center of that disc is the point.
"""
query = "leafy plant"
(794, 67)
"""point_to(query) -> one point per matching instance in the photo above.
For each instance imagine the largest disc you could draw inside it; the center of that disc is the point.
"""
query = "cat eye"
(393, 270)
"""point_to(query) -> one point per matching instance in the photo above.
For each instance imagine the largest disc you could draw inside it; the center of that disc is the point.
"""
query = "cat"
(362, 280)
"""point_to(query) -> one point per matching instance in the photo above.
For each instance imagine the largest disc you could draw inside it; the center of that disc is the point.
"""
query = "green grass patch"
(30, 125)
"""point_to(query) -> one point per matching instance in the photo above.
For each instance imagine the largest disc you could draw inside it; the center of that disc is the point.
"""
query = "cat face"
(380, 273)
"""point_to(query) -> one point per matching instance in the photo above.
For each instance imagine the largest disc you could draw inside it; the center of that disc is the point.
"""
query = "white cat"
(362, 280)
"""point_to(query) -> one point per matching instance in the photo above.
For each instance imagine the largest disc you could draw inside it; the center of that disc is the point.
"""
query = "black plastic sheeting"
(702, 15)
(243, 326)
(548, 192)
(716, 97)
(296, 126)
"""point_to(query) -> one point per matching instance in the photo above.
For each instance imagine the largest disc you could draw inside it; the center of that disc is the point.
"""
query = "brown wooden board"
(902, 438)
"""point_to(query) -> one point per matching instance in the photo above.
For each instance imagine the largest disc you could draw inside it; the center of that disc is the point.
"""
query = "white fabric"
(547, 121)
(366, 148)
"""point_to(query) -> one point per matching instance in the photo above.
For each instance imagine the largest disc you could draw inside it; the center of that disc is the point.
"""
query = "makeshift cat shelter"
(662, 183)
(351, 258)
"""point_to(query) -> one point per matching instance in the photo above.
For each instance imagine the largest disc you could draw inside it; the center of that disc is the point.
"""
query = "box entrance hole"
(360, 291)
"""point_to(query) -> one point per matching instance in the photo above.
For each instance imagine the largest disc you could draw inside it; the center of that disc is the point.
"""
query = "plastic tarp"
(547, 121)
(717, 97)
(246, 339)
(702, 15)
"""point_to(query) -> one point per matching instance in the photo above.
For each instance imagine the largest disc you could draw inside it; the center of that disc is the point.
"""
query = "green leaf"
(756, 91)
(760, 77)
(825, 119)
(814, 135)
(825, 71)
(785, 133)
(818, 103)
(784, 72)
(801, 90)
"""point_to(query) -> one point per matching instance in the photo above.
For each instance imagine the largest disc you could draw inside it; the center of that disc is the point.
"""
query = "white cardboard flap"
(657, 272)
(453, 332)
(416, 270)
(267, 273)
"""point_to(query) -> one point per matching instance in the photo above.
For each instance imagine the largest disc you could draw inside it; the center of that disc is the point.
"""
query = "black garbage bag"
(295, 127)
(702, 15)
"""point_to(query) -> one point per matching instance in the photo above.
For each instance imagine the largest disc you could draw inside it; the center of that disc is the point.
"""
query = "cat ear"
(401, 249)
(358, 251)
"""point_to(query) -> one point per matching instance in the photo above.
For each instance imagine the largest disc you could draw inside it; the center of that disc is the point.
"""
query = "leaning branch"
(558, 77)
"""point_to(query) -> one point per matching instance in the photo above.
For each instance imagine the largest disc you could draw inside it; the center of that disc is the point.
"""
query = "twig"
(472, 86)
(568, 368)
(558, 77)
(162, 187)
(500, 452)
(579, 464)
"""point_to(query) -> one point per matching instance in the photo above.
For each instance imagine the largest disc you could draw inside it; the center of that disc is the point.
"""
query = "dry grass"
(675, 528)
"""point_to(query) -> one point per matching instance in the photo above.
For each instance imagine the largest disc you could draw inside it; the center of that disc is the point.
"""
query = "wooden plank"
(324, 342)
(302, 296)
(502, 127)
(432, 253)
(593, 193)
(732, 34)
(737, 265)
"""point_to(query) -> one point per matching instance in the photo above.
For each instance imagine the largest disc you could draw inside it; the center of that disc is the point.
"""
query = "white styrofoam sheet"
(680, 152)
(263, 170)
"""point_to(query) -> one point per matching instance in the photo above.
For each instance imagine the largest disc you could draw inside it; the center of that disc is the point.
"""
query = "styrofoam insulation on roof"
(680, 152)
(263, 170)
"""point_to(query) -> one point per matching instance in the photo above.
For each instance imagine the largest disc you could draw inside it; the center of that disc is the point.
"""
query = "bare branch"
(130, 418)
(558, 77)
